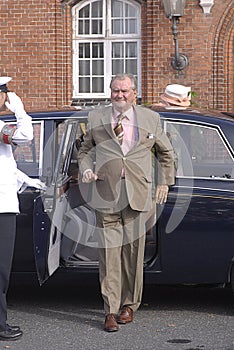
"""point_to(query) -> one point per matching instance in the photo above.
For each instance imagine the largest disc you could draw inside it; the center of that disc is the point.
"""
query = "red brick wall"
(31, 50)
(223, 59)
(36, 51)
(207, 41)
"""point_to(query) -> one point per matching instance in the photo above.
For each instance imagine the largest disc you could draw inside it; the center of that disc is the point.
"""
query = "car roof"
(192, 113)
(224, 120)
(170, 110)
(50, 114)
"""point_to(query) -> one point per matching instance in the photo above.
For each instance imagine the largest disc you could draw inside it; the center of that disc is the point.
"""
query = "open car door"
(64, 219)
(51, 207)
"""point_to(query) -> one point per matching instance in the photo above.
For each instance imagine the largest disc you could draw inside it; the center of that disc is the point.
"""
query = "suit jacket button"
(124, 158)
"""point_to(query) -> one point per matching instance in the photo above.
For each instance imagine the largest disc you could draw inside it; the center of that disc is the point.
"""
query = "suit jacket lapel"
(140, 124)
(106, 121)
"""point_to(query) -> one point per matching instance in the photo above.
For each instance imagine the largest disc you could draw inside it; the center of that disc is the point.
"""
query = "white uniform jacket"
(8, 170)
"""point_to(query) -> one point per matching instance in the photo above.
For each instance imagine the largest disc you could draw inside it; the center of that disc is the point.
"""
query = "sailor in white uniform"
(20, 134)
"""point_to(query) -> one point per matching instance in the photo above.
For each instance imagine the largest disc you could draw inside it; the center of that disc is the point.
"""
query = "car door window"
(200, 151)
(68, 165)
(29, 157)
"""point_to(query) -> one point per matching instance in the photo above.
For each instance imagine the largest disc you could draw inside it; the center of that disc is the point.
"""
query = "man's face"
(3, 97)
(122, 94)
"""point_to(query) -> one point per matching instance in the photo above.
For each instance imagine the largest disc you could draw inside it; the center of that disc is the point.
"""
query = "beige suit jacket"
(102, 152)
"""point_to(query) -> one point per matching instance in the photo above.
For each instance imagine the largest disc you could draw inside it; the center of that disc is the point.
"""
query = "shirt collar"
(129, 113)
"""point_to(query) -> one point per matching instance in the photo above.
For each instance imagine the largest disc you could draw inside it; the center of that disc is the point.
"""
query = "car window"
(28, 157)
(68, 158)
(200, 151)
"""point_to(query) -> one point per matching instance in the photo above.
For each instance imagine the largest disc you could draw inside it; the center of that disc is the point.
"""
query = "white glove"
(15, 105)
(36, 183)
(23, 181)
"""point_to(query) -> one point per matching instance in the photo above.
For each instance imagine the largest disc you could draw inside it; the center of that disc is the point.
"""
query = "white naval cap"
(3, 82)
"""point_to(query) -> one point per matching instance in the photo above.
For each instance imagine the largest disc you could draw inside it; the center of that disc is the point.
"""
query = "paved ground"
(70, 317)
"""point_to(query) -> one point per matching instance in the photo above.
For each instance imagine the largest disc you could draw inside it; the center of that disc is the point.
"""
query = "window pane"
(130, 26)
(130, 11)
(84, 12)
(28, 157)
(80, 27)
(98, 67)
(98, 85)
(87, 50)
(84, 68)
(84, 50)
(208, 146)
(118, 50)
(131, 49)
(117, 26)
(203, 148)
(86, 27)
(117, 9)
(96, 26)
(131, 67)
(84, 85)
(97, 50)
(97, 9)
(117, 67)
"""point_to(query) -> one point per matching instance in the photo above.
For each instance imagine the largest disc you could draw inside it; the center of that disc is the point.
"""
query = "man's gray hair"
(123, 76)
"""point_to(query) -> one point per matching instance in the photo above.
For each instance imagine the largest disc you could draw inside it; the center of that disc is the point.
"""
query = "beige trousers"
(121, 238)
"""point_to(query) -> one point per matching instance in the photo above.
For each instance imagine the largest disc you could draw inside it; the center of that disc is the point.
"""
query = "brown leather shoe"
(126, 315)
(110, 323)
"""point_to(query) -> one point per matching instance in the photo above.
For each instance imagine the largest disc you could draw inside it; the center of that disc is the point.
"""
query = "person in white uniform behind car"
(18, 135)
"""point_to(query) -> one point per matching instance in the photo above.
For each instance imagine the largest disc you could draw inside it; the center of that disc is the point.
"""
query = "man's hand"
(161, 194)
(89, 176)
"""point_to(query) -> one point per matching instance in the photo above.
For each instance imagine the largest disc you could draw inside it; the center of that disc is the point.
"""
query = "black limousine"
(189, 241)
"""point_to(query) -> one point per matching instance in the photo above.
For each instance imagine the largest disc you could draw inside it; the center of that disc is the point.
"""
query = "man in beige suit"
(119, 141)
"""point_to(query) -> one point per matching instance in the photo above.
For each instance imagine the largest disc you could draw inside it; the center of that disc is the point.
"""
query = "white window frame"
(107, 38)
